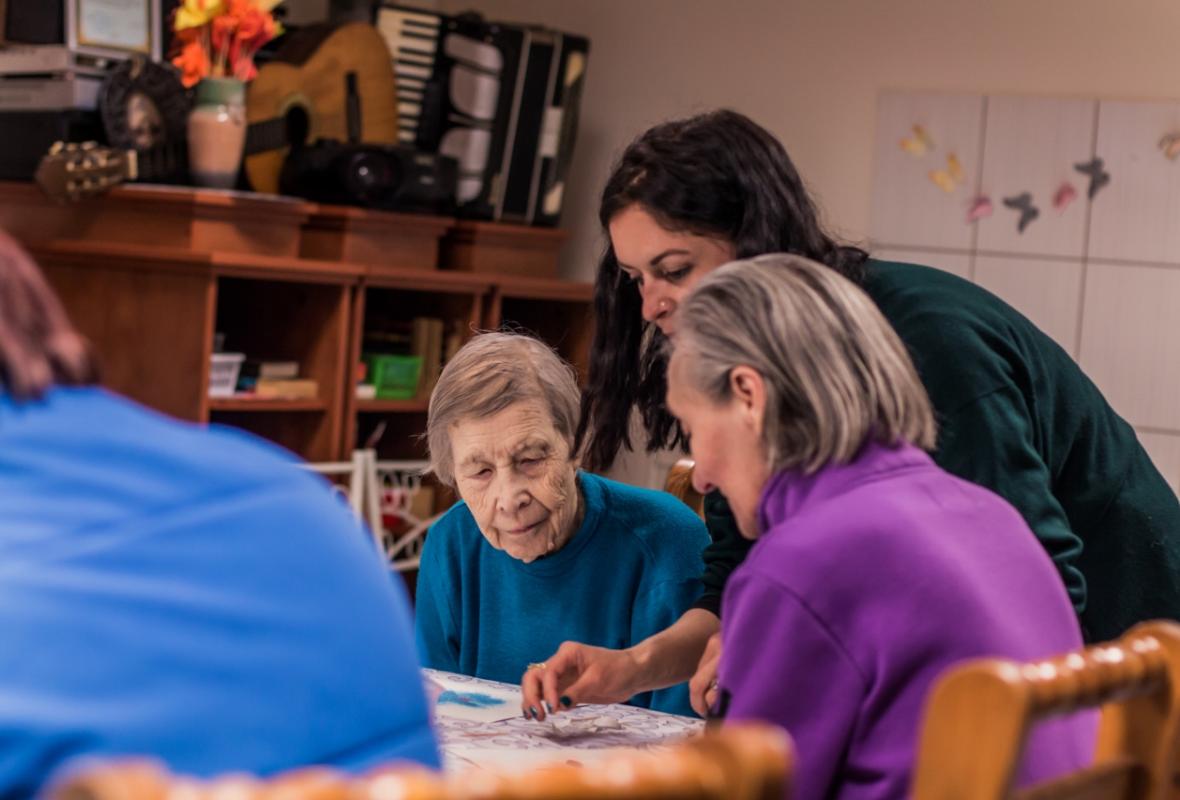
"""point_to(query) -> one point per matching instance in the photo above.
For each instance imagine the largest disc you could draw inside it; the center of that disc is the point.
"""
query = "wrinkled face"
(665, 264)
(725, 439)
(515, 472)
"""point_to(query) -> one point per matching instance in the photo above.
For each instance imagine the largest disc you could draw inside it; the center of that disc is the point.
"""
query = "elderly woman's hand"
(578, 673)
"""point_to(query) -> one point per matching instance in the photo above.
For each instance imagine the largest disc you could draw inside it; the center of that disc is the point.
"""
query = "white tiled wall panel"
(1031, 145)
(1130, 341)
(1046, 291)
(1137, 216)
(907, 208)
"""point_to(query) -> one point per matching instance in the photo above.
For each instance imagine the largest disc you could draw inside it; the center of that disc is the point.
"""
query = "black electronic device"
(388, 177)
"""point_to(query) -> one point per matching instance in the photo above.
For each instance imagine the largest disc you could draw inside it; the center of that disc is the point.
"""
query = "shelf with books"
(151, 292)
(417, 322)
(294, 336)
(266, 404)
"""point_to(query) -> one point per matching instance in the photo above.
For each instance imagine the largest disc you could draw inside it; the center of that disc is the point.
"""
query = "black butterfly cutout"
(1028, 212)
(1094, 169)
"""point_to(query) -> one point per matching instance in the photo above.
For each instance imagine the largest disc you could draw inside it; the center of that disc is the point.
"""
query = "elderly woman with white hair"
(874, 570)
(537, 552)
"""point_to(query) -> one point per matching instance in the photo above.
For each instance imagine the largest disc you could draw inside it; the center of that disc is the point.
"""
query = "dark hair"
(717, 174)
(39, 347)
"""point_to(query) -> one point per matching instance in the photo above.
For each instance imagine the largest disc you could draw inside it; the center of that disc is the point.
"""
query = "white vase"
(217, 132)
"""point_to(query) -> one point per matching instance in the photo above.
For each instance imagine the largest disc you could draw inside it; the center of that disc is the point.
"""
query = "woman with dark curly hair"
(1015, 412)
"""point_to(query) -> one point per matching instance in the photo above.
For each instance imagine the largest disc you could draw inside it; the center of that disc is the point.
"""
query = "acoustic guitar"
(320, 78)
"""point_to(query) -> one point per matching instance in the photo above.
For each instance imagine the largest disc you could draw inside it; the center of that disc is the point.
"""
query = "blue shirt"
(190, 594)
(630, 571)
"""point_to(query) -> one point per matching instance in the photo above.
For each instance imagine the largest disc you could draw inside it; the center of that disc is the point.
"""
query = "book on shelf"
(286, 389)
(283, 370)
(426, 341)
(453, 341)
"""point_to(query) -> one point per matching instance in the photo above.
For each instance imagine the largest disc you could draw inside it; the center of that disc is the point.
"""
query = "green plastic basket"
(395, 377)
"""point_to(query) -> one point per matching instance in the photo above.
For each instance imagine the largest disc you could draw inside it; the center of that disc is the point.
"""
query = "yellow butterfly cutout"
(1170, 144)
(948, 179)
(918, 144)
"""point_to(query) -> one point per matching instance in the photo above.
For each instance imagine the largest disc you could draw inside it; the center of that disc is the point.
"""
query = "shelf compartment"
(266, 404)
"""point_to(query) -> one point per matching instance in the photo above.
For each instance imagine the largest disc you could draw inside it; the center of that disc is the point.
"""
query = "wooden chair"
(979, 715)
(739, 762)
(679, 483)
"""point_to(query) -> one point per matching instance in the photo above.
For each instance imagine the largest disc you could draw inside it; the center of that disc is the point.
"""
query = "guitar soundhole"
(298, 126)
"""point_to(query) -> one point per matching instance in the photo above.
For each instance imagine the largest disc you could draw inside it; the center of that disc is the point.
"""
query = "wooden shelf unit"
(152, 297)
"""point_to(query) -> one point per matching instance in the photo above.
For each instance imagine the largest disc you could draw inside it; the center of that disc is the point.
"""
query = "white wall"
(810, 71)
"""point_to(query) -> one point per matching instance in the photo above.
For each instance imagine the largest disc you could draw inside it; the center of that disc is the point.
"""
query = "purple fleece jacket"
(871, 579)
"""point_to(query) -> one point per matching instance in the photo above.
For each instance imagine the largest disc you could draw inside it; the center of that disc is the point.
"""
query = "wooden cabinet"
(151, 298)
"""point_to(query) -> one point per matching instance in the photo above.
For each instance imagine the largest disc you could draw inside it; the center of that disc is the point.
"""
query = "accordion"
(502, 100)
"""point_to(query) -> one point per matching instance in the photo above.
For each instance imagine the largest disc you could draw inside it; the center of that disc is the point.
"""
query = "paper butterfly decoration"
(948, 179)
(1098, 176)
(1028, 212)
(1064, 195)
(981, 206)
(918, 144)
(1170, 144)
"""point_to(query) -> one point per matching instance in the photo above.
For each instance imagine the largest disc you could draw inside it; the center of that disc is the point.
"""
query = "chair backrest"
(354, 471)
(739, 762)
(403, 549)
(355, 491)
(979, 715)
(679, 483)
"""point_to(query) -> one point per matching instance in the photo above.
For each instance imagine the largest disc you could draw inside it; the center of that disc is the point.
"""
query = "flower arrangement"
(218, 38)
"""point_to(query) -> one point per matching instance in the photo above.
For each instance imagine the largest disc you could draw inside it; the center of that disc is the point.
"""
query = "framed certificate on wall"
(115, 28)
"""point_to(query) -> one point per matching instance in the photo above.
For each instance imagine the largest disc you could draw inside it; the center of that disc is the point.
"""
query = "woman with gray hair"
(536, 552)
(874, 569)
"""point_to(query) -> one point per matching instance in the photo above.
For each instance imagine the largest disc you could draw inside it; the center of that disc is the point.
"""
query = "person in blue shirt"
(177, 592)
(537, 552)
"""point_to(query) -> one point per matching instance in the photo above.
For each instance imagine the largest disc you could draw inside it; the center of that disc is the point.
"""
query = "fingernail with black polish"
(548, 708)
(534, 710)
(565, 701)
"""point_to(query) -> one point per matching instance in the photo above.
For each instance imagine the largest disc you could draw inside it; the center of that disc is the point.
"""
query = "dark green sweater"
(1017, 415)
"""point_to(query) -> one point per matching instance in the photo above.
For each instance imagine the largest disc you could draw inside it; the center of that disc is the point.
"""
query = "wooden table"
(469, 737)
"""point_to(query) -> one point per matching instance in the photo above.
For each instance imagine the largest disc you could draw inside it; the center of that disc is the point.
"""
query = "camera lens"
(370, 176)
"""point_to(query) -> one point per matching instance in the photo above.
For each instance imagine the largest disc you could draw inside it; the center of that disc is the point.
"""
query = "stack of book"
(276, 380)
(48, 77)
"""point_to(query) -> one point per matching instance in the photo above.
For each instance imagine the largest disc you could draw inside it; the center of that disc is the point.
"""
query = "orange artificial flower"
(228, 32)
(193, 62)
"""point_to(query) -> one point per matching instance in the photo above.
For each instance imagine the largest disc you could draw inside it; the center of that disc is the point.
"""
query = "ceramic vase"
(217, 132)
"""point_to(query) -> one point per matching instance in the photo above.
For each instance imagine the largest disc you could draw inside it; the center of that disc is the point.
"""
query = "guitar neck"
(269, 134)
